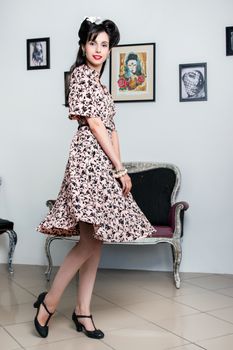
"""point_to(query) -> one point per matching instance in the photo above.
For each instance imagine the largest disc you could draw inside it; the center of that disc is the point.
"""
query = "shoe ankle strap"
(90, 316)
(50, 313)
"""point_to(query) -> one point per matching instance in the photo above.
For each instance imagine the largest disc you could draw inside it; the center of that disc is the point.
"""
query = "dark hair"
(89, 31)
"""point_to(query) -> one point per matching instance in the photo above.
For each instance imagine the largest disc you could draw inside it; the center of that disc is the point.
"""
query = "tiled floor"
(135, 309)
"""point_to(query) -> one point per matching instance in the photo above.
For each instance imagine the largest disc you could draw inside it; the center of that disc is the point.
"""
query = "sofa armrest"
(176, 216)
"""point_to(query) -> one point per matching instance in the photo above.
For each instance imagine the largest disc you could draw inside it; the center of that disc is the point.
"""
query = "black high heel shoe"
(97, 333)
(42, 330)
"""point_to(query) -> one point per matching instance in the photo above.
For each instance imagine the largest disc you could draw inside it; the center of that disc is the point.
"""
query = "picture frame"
(38, 53)
(132, 72)
(229, 41)
(193, 82)
(67, 77)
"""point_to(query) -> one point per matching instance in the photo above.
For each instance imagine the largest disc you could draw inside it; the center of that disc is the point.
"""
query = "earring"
(84, 53)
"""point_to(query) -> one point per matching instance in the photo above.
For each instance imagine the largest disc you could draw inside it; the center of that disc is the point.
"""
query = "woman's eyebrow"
(102, 42)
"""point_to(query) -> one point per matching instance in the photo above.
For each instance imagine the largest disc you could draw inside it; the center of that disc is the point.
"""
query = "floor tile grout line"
(209, 289)
(156, 293)
(219, 336)
(190, 343)
(151, 301)
(144, 319)
(218, 318)
(154, 323)
(218, 291)
(21, 346)
(205, 311)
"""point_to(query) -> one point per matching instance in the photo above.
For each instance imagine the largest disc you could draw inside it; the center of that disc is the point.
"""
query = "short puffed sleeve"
(83, 95)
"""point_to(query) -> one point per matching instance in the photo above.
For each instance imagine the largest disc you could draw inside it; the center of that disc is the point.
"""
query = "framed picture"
(132, 72)
(67, 76)
(193, 82)
(229, 41)
(38, 53)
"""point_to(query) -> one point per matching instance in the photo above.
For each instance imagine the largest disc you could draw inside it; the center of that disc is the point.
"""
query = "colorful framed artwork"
(38, 53)
(132, 72)
(193, 82)
(229, 41)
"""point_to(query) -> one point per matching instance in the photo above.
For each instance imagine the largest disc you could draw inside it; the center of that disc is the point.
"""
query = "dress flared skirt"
(90, 193)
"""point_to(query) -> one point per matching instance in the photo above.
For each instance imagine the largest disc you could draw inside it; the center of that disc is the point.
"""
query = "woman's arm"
(116, 144)
(100, 132)
(98, 129)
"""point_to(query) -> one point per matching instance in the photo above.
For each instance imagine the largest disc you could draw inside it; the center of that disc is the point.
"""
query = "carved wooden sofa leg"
(12, 243)
(177, 257)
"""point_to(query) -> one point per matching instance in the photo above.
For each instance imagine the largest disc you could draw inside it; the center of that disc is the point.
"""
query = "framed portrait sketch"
(38, 53)
(67, 76)
(229, 41)
(132, 72)
(193, 82)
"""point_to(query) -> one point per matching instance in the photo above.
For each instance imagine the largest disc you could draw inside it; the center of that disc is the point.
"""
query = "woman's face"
(132, 65)
(97, 50)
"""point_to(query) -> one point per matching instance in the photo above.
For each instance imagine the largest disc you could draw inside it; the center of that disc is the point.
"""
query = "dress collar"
(91, 71)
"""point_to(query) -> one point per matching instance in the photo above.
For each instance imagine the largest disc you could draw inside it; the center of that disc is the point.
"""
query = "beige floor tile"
(114, 318)
(225, 343)
(187, 275)
(205, 301)
(212, 282)
(143, 336)
(14, 295)
(187, 347)
(197, 327)
(138, 277)
(6, 282)
(4, 269)
(123, 293)
(29, 275)
(60, 328)
(160, 309)
(227, 275)
(12, 314)
(225, 291)
(7, 342)
(169, 290)
(82, 343)
(224, 314)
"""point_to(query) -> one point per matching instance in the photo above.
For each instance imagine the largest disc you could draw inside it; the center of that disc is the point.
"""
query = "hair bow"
(96, 20)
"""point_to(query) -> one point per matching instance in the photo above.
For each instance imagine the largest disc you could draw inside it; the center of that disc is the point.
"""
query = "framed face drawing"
(229, 41)
(132, 72)
(193, 82)
(38, 53)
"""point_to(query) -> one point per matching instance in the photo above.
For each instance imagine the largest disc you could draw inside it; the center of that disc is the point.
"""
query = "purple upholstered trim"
(163, 231)
(172, 212)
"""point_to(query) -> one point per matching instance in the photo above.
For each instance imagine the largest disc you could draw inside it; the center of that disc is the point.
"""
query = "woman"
(95, 200)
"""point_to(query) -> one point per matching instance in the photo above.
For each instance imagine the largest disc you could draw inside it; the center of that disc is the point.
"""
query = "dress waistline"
(82, 125)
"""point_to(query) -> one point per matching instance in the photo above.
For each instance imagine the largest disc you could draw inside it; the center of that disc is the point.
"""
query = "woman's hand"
(126, 184)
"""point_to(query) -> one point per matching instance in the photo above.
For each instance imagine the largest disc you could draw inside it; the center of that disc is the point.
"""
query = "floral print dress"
(89, 191)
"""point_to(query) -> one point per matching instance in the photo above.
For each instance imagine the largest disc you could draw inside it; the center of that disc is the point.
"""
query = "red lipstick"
(97, 57)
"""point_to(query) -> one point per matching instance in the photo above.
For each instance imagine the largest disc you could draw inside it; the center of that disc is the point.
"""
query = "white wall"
(197, 136)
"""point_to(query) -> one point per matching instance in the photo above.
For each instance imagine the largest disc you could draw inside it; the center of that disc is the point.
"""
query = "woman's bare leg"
(73, 261)
(87, 276)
